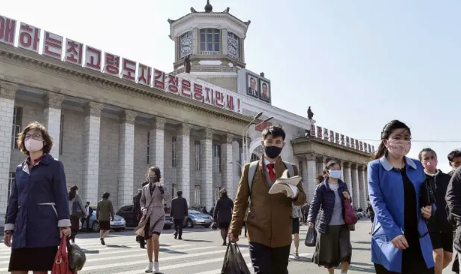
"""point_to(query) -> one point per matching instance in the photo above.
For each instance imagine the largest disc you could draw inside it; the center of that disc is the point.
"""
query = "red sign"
(52, 45)
(111, 64)
(128, 70)
(198, 92)
(313, 130)
(29, 37)
(325, 134)
(319, 132)
(332, 136)
(352, 143)
(159, 79)
(74, 52)
(361, 146)
(144, 74)
(186, 88)
(337, 137)
(173, 84)
(369, 148)
(356, 144)
(7, 30)
(93, 58)
(348, 143)
(342, 139)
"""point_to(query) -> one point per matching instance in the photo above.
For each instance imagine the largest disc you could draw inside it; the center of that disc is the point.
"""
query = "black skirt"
(32, 259)
(104, 225)
(224, 225)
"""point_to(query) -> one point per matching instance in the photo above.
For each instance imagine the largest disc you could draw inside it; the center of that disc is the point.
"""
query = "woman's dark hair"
(387, 131)
(319, 179)
(72, 192)
(427, 149)
(155, 169)
(106, 195)
(48, 140)
(332, 163)
(223, 193)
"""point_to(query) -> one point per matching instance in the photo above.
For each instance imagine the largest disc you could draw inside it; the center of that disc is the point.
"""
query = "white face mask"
(335, 174)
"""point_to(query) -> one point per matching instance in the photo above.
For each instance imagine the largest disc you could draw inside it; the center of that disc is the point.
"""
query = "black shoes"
(102, 241)
(175, 236)
(180, 238)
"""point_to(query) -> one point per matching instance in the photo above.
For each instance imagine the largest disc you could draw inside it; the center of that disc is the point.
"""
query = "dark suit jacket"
(179, 208)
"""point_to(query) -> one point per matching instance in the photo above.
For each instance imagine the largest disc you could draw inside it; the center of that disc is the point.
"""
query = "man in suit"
(269, 220)
(179, 212)
(252, 88)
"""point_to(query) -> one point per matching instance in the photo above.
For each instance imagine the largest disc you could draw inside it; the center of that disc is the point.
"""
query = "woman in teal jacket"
(400, 239)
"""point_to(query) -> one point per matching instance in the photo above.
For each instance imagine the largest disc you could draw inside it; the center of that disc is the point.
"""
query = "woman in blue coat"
(38, 211)
(400, 239)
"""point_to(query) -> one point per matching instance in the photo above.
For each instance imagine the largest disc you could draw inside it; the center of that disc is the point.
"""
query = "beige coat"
(269, 220)
(156, 210)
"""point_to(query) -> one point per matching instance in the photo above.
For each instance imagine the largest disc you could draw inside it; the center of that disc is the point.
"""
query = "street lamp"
(244, 141)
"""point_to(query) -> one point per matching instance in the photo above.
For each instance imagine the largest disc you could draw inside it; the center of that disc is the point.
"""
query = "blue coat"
(323, 204)
(387, 199)
(38, 204)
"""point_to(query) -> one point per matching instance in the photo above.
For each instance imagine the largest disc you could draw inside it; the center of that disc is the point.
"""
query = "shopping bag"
(61, 260)
(350, 217)
(76, 257)
(234, 262)
(311, 237)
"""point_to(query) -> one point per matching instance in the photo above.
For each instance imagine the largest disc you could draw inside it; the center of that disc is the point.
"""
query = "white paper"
(294, 189)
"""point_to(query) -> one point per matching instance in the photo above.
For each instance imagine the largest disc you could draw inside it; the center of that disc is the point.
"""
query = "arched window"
(210, 40)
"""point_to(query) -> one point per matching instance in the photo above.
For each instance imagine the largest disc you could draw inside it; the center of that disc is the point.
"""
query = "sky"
(359, 64)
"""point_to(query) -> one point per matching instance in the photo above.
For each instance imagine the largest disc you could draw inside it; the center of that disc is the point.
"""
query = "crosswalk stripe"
(169, 258)
(181, 265)
(111, 251)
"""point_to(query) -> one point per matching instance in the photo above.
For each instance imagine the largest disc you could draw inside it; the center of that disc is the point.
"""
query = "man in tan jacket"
(269, 221)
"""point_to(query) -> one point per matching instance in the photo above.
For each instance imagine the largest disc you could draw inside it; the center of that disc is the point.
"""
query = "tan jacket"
(269, 220)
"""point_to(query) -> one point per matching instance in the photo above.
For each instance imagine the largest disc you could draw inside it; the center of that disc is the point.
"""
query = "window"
(148, 148)
(300, 168)
(17, 122)
(173, 189)
(233, 45)
(210, 41)
(217, 156)
(10, 184)
(186, 44)
(173, 152)
(197, 155)
(197, 195)
(61, 134)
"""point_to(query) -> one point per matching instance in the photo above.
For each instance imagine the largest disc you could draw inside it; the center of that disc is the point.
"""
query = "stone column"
(348, 177)
(53, 103)
(7, 96)
(224, 41)
(321, 164)
(206, 169)
(195, 43)
(157, 143)
(364, 185)
(126, 158)
(311, 175)
(356, 186)
(91, 142)
(184, 161)
(227, 165)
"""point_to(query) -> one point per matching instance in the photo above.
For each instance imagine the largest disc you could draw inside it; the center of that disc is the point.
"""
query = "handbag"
(234, 262)
(350, 217)
(311, 237)
(61, 260)
(77, 257)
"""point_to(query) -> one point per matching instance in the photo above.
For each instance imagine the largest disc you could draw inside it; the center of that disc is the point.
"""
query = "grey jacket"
(80, 203)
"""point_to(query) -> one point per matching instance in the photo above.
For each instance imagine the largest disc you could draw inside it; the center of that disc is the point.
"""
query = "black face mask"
(272, 151)
(153, 179)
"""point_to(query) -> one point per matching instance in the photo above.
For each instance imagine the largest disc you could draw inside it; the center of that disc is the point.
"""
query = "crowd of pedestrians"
(414, 207)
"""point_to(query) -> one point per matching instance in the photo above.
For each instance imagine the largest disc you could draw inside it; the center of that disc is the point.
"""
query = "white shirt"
(87, 211)
(266, 162)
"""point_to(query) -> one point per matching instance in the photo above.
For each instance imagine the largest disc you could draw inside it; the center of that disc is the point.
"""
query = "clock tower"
(214, 41)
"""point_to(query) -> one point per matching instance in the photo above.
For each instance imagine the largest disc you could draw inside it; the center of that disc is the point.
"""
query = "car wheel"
(95, 226)
(189, 224)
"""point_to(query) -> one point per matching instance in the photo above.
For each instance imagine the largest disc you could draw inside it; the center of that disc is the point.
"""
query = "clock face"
(233, 46)
(186, 44)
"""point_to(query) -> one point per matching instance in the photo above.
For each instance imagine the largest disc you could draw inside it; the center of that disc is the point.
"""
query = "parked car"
(118, 224)
(127, 213)
(197, 218)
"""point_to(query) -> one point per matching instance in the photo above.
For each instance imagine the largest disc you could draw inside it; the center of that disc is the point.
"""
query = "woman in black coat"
(223, 213)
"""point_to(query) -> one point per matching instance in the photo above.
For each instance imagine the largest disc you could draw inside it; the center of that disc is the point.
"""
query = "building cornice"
(48, 65)
(303, 140)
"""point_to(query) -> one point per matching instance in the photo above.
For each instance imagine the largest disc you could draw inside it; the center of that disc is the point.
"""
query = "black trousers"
(382, 270)
(268, 260)
(178, 226)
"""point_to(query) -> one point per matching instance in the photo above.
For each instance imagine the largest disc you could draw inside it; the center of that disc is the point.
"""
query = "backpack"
(252, 171)
(76, 209)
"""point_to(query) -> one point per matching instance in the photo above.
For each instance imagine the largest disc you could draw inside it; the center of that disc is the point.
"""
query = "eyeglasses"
(35, 136)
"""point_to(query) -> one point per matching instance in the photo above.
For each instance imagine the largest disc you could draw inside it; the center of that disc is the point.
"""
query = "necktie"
(271, 171)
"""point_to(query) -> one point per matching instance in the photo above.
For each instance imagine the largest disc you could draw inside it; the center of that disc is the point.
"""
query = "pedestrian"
(137, 213)
(204, 210)
(453, 199)
(333, 245)
(38, 212)
(394, 183)
(223, 213)
(179, 212)
(268, 222)
(440, 230)
(370, 214)
(295, 215)
(305, 209)
(89, 213)
(454, 160)
(152, 204)
(104, 214)
(212, 211)
(77, 211)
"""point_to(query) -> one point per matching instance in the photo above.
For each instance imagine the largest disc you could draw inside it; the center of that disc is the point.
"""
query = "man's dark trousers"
(268, 260)
(178, 223)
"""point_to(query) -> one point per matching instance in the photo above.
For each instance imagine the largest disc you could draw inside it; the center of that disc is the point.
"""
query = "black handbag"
(77, 257)
(311, 237)
(234, 262)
